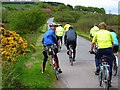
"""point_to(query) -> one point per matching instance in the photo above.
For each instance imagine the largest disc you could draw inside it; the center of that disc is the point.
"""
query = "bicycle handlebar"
(92, 52)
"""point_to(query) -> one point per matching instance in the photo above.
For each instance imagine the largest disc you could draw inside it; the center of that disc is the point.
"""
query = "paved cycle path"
(81, 74)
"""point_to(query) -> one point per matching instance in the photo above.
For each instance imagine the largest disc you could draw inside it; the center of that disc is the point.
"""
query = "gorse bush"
(27, 21)
(12, 44)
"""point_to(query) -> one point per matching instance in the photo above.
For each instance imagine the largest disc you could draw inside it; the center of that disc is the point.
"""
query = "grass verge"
(26, 72)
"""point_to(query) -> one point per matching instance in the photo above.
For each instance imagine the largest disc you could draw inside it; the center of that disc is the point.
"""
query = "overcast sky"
(110, 6)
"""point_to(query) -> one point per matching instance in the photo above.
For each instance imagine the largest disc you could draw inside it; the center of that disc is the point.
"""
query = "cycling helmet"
(95, 24)
(111, 30)
(53, 24)
(59, 24)
(71, 27)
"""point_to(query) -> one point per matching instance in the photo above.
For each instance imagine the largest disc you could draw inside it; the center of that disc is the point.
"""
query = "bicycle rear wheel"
(100, 78)
(106, 79)
(56, 74)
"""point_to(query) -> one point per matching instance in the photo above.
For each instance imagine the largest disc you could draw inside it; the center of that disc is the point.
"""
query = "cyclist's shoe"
(68, 52)
(59, 70)
(110, 84)
(60, 47)
(96, 73)
(42, 72)
(74, 59)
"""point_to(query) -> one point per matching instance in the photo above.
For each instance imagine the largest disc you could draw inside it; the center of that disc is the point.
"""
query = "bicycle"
(71, 54)
(115, 64)
(53, 62)
(104, 71)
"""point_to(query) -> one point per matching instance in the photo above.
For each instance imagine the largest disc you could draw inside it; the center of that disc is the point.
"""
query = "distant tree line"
(77, 8)
(54, 3)
(21, 2)
(89, 9)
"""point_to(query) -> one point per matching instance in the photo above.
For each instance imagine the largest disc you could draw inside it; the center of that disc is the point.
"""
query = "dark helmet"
(111, 30)
(96, 24)
(71, 27)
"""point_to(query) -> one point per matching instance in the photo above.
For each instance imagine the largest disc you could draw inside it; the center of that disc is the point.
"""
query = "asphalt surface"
(81, 74)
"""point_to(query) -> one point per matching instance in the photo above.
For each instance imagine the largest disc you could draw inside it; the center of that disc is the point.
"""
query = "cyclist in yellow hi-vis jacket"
(59, 32)
(104, 40)
(93, 30)
(66, 27)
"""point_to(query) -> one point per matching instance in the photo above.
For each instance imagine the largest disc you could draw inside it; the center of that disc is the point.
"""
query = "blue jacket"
(114, 35)
(49, 38)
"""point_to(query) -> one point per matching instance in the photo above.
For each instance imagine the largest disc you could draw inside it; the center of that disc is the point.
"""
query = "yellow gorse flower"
(12, 44)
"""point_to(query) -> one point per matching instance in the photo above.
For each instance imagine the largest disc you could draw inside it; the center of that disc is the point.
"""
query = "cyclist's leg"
(44, 60)
(67, 44)
(60, 37)
(74, 50)
(61, 40)
(115, 49)
(99, 54)
(65, 37)
(96, 62)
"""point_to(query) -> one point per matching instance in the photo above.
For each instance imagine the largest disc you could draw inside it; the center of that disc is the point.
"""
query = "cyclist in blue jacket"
(115, 43)
(50, 39)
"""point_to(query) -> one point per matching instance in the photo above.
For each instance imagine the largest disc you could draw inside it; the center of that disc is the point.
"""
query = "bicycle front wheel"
(115, 69)
(71, 62)
(106, 85)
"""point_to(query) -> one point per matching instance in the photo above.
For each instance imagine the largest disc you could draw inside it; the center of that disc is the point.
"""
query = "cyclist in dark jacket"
(49, 39)
(71, 39)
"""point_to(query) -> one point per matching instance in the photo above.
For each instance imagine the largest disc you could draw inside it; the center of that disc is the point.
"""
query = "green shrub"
(27, 21)
(5, 13)
(67, 16)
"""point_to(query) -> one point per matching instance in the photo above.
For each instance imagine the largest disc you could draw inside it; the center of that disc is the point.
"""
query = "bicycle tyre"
(71, 62)
(56, 74)
(106, 78)
(70, 58)
(115, 67)
(107, 85)
(115, 70)
(100, 78)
